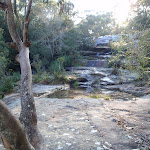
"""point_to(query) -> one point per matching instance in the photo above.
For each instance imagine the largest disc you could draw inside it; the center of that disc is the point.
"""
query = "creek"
(95, 73)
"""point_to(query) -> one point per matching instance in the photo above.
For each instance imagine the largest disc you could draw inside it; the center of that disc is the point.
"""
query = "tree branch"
(16, 14)
(12, 132)
(3, 5)
(26, 25)
(12, 26)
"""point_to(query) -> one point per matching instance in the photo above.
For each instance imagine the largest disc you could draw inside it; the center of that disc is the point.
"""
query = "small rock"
(93, 131)
(72, 129)
(88, 139)
(95, 116)
(65, 134)
(98, 143)
(129, 128)
(59, 147)
(50, 125)
(81, 118)
(100, 148)
(114, 120)
(108, 144)
(105, 147)
(130, 137)
(69, 144)
(87, 120)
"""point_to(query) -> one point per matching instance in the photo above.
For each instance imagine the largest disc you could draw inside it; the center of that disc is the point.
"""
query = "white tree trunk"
(28, 116)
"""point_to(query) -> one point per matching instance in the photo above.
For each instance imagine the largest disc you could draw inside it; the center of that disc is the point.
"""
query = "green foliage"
(57, 67)
(141, 19)
(138, 54)
(7, 83)
(95, 96)
(75, 84)
(4, 52)
(96, 25)
(133, 53)
(117, 61)
(71, 47)
(37, 64)
(107, 98)
(53, 35)
(43, 78)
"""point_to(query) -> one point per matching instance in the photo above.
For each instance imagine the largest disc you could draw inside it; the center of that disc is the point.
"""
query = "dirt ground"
(81, 122)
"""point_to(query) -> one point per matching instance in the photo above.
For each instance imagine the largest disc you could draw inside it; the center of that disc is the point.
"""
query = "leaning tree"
(14, 134)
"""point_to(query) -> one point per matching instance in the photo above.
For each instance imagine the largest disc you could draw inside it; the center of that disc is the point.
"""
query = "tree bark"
(12, 131)
(28, 116)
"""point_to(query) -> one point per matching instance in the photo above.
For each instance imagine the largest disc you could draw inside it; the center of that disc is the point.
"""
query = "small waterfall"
(97, 63)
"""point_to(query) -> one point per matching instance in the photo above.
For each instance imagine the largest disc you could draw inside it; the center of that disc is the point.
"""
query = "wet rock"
(114, 120)
(107, 81)
(103, 40)
(98, 143)
(97, 63)
(82, 79)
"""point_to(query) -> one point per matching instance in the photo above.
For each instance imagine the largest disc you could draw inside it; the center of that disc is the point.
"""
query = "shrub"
(75, 85)
(7, 83)
(133, 53)
(57, 67)
(107, 98)
(43, 78)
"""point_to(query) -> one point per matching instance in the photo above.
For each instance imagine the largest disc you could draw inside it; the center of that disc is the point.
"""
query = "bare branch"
(28, 10)
(13, 45)
(26, 25)
(16, 14)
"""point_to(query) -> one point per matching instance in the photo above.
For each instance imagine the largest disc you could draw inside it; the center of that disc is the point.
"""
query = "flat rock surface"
(130, 88)
(84, 123)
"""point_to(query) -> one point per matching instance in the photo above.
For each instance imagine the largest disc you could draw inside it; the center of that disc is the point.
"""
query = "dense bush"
(4, 52)
(133, 53)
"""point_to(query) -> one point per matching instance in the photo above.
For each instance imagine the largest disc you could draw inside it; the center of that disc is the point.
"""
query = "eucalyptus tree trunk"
(12, 132)
(28, 116)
